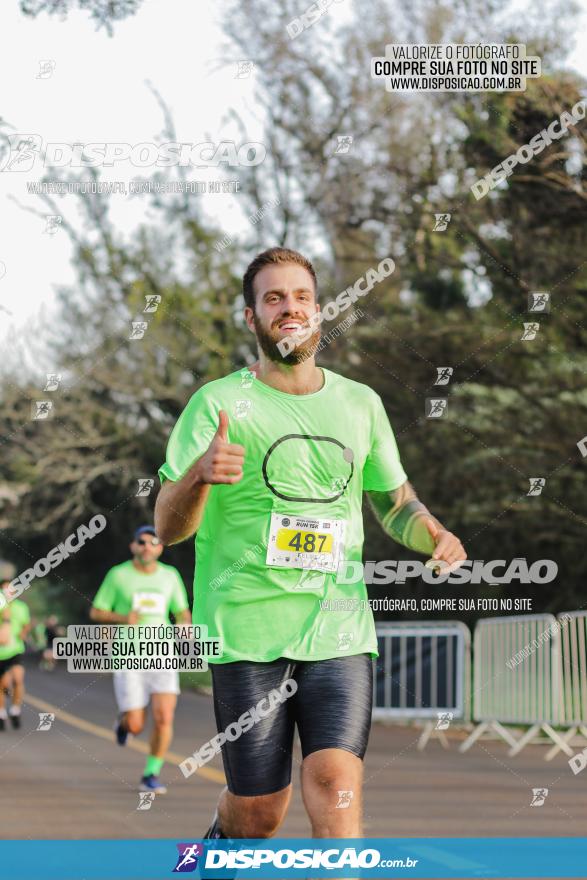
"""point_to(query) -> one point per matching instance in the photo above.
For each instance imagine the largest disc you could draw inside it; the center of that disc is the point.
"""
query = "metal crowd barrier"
(423, 672)
(573, 632)
(517, 679)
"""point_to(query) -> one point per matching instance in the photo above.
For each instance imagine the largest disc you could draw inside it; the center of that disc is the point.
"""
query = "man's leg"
(163, 706)
(17, 685)
(332, 782)
(257, 816)
(134, 720)
(132, 700)
(17, 693)
(333, 714)
(257, 761)
(4, 684)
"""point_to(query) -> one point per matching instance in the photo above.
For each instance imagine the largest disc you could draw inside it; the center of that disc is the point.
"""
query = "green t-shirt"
(19, 617)
(125, 589)
(307, 456)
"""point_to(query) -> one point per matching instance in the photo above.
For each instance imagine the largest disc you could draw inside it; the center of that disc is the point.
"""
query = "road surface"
(73, 782)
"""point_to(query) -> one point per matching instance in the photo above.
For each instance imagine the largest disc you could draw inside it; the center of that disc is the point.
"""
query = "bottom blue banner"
(383, 857)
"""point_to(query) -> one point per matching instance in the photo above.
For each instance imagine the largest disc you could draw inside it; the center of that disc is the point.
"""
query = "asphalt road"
(73, 782)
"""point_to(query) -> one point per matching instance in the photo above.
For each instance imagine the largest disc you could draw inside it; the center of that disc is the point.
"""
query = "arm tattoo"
(402, 516)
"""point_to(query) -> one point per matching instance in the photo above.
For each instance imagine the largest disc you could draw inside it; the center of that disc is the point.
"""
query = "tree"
(457, 298)
(103, 12)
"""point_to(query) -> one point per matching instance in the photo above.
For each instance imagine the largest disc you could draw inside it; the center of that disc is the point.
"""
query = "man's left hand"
(448, 547)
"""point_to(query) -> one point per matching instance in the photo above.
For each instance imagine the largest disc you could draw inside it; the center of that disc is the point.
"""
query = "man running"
(14, 626)
(144, 591)
(267, 466)
(52, 631)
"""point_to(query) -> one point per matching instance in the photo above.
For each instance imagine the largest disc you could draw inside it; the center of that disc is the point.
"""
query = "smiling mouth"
(290, 326)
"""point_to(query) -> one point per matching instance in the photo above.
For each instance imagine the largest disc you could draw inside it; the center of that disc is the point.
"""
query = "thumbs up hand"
(223, 461)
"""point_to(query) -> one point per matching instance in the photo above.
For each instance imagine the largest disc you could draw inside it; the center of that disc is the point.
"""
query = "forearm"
(180, 506)
(403, 517)
(107, 616)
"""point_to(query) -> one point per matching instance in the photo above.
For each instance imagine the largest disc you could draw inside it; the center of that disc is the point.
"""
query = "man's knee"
(332, 772)
(163, 719)
(264, 822)
(259, 816)
(134, 722)
(17, 675)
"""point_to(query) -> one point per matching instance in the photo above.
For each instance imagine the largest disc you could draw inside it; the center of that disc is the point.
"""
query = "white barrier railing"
(573, 629)
(528, 670)
(423, 672)
(518, 679)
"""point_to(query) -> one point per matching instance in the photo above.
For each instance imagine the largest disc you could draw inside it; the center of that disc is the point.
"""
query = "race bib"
(149, 603)
(301, 542)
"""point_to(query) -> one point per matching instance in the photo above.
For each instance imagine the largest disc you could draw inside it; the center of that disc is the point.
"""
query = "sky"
(95, 89)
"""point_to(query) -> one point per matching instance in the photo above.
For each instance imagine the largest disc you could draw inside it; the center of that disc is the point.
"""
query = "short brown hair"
(275, 256)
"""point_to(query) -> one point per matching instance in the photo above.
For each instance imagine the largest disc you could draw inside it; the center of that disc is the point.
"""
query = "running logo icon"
(41, 409)
(152, 302)
(539, 795)
(52, 383)
(21, 153)
(539, 302)
(444, 374)
(241, 408)
(46, 719)
(145, 486)
(46, 68)
(530, 331)
(444, 719)
(441, 222)
(344, 144)
(244, 69)
(247, 378)
(344, 641)
(52, 223)
(187, 859)
(146, 799)
(537, 484)
(138, 329)
(344, 800)
(436, 407)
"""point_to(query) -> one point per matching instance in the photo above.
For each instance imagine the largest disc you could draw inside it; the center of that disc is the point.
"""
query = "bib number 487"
(308, 542)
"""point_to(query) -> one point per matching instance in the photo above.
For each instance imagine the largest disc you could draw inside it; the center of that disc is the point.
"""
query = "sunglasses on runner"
(154, 543)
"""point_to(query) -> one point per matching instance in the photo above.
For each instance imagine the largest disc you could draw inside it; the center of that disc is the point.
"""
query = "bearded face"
(269, 337)
(285, 312)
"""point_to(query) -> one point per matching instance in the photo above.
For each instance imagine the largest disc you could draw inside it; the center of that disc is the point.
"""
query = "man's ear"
(249, 318)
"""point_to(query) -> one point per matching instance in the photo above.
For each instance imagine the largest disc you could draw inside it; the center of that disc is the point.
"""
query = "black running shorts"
(331, 708)
(15, 660)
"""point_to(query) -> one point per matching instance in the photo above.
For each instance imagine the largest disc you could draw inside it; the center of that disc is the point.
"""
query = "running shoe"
(2, 724)
(120, 731)
(214, 832)
(15, 721)
(152, 783)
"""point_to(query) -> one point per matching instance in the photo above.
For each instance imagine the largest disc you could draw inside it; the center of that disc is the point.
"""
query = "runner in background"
(144, 591)
(36, 640)
(14, 626)
(52, 631)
